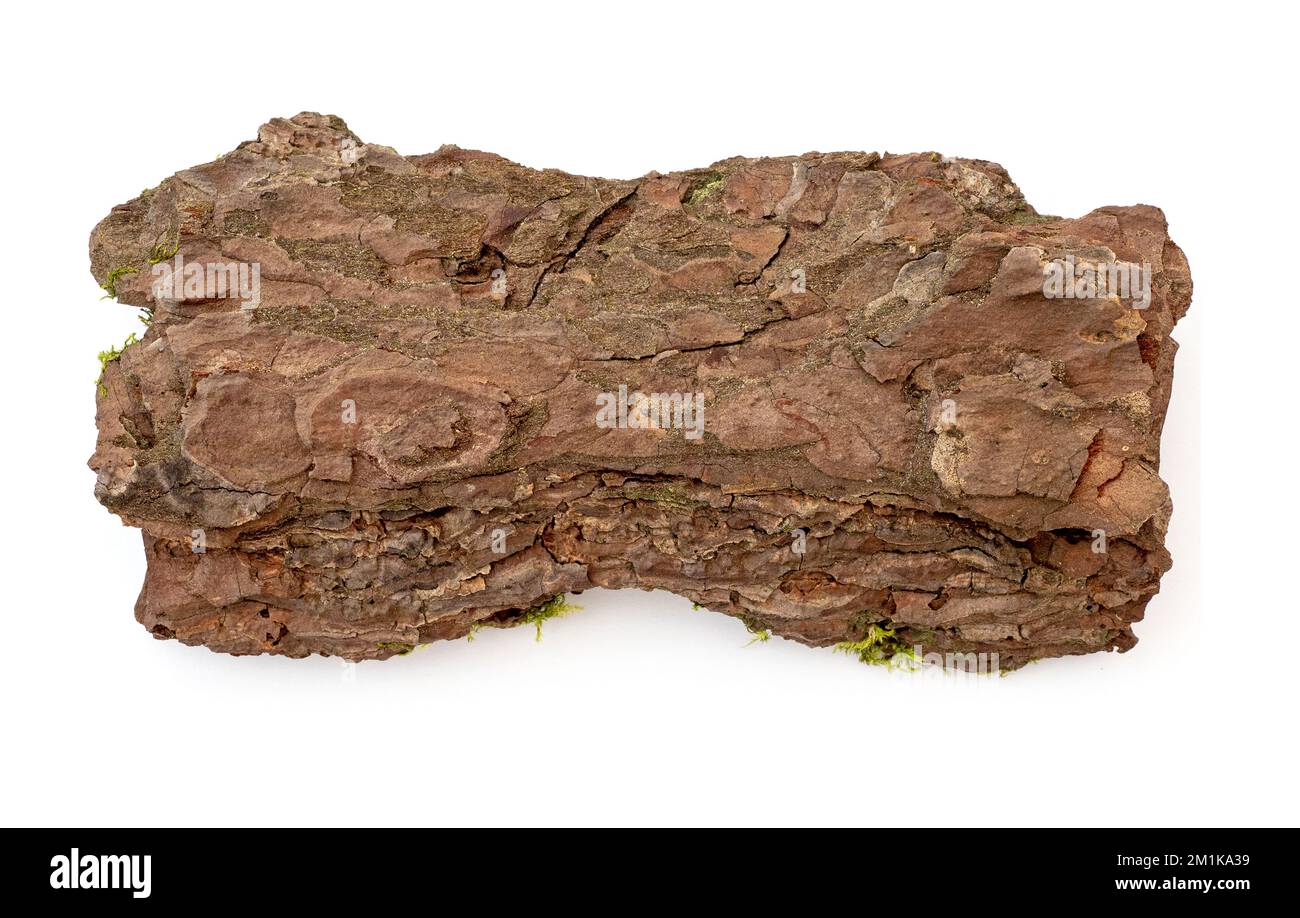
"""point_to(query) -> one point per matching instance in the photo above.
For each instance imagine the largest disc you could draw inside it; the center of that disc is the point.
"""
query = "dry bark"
(880, 368)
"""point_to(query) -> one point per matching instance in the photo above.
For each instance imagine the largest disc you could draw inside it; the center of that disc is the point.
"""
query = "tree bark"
(411, 408)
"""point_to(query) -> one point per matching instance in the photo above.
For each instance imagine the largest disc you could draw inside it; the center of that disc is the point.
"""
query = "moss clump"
(162, 252)
(555, 607)
(760, 634)
(879, 646)
(710, 184)
(110, 355)
(114, 275)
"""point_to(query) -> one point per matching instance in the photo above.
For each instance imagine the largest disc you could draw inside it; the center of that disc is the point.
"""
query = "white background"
(639, 710)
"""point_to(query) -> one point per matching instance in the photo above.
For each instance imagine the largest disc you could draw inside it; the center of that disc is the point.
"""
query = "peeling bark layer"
(395, 441)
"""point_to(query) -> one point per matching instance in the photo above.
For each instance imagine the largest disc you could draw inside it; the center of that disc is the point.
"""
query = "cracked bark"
(475, 402)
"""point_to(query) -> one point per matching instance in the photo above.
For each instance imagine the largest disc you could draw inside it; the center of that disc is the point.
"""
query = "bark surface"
(397, 442)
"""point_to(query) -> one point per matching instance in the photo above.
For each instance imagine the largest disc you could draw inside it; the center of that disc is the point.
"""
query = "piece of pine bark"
(885, 385)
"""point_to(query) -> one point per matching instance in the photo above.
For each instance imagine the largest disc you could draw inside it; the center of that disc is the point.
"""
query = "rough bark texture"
(472, 310)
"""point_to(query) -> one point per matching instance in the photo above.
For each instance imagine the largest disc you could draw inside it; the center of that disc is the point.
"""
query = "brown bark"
(884, 381)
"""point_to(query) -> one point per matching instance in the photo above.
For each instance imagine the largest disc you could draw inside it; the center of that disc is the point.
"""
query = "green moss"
(708, 185)
(555, 607)
(760, 634)
(110, 282)
(401, 647)
(161, 252)
(110, 355)
(880, 647)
